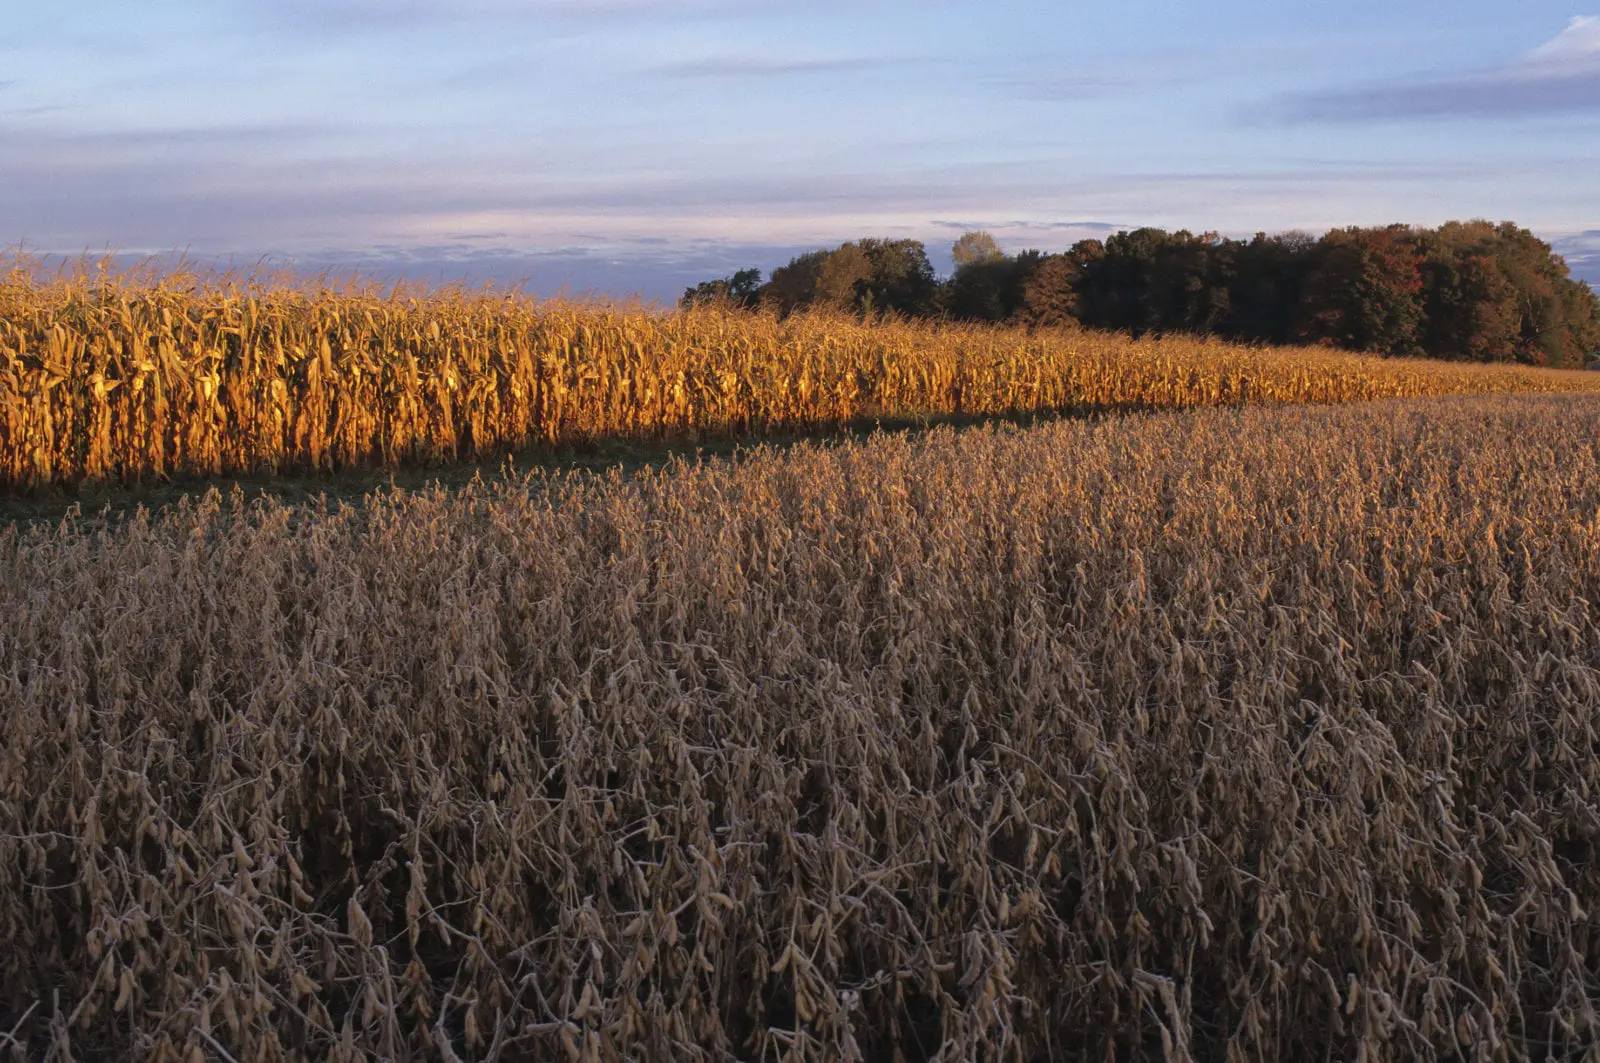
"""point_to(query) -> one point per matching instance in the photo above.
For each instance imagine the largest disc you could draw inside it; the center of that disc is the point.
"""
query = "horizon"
(639, 146)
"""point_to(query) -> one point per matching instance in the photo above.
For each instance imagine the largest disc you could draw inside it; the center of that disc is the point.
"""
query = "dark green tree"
(1364, 291)
(1264, 292)
(975, 291)
(742, 290)
(988, 284)
(901, 278)
(1466, 290)
(1152, 280)
(1050, 295)
(1471, 309)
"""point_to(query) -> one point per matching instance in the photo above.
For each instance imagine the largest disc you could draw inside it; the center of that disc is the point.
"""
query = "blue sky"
(637, 145)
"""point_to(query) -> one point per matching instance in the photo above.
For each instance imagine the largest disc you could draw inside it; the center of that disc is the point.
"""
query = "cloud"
(290, 187)
(87, 148)
(1561, 76)
(383, 16)
(1578, 44)
(737, 66)
(1065, 88)
(299, 189)
(1030, 226)
(1582, 252)
(1584, 242)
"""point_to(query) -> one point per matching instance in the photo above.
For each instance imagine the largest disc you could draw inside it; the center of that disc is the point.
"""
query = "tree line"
(1473, 290)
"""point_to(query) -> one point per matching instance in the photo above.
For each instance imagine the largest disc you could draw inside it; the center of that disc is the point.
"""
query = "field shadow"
(93, 503)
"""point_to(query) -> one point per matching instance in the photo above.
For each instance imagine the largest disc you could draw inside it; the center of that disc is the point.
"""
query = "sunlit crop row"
(111, 378)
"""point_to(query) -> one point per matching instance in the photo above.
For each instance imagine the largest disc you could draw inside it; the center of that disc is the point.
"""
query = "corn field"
(1244, 735)
(123, 378)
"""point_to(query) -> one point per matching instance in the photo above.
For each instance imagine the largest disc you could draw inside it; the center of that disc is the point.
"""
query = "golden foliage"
(1219, 734)
(108, 377)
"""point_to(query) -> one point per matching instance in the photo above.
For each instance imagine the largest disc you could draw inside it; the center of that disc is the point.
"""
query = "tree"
(976, 291)
(1560, 317)
(1470, 308)
(1050, 296)
(1264, 292)
(742, 290)
(901, 279)
(843, 277)
(1468, 290)
(1188, 288)
(1582, 307)
(975, 248)
(1364, 291)
(1086, 257)
(794, 285)
(1151, 280)
(862, 276)
(988, 284)
(1499, 293)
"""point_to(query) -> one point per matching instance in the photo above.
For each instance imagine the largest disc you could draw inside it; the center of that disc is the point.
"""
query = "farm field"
(1259, 733)
(124, 379)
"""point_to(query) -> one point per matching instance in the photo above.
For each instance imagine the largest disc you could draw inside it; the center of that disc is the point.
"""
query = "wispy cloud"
(1582, 252)
(1028, 229)
(290, 190)
(753, 66)
(1561, 76)
(378, 16)
(1065, 88)
(278, 185)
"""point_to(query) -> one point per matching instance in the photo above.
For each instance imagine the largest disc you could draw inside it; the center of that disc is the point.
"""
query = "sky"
(636, 146)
